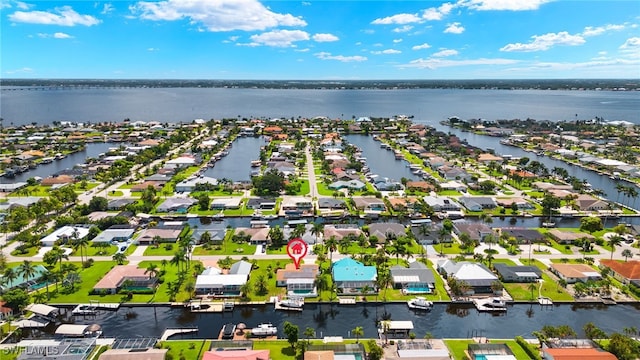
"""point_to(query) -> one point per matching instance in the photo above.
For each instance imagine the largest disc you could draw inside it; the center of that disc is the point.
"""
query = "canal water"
(444, 321)
(382, 162)
(92, 150)
(237, 165)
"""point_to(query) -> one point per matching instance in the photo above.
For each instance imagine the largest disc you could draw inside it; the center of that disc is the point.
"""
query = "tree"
(119, 258)
(532, 287)
(623, 347)
(375, 351)
(98, 203)
(27, 270)
(308, 333)
(204, 201)
(331, 243)
(317, 229)
(549, 204)
(591, 331)
(614, 241)
(291, 333)
(591, 224)
(357, 332)
(16, 299)
(271, 183)
(626, 253)
(276, 235)
(9, 276)
(152, 270)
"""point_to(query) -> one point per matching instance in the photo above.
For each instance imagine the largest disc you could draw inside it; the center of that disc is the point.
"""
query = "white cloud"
(602, 53)
(512, 5)
(445, 52)
(107, 9)
(24, 70)
(399, 19)
(23, 6)
(221, 15)
(151, 49)
(438, 13)
(387, 52)
(454, 28)
(325, 38)
(58, 35)
(421, 47)
(279, 38)
(306, 3)
(62, 16)
(395, 41)
(328, 56)
(599, 30)
(431, 63)
(631, 43)
(402, 29)
(302, 50)
(545, 42)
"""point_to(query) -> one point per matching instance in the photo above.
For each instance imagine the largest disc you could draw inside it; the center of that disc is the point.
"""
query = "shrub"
(531, 352)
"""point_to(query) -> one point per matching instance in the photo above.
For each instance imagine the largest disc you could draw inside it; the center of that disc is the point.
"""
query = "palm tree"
(357, 332)
(119, 258)
(81, 244)
(308, 333)
(48, 277)
(614, 241)
(331, 244)
(152, 270)
(27, 270)
(532, 288)
(317, 229)
(8, 277)
(38, 298)
(626, 253)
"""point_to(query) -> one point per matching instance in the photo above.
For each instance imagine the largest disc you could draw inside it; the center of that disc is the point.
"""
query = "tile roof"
(629, 269)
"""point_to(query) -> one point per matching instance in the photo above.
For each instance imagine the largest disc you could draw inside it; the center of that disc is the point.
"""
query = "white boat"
(420, 303)
(490, 304)
(291, 303)
(264, 329)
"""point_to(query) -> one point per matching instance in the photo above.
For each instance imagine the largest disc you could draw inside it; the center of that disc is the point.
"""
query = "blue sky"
(320, 40)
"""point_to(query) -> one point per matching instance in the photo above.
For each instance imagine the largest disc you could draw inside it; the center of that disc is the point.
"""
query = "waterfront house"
(394, 329)
(486, 158)
(386, 231)
(121, 275)
(189, 185)
(350, 184)
(176, 204)
(306, 236)
(489, 351)
(64, 234)
(574, 352)
(477, 276)
(183, 161)
(213, 282)
(517, 273)
(331, 204)
(297, 204)
(441, 203)
(476, 231)
(586, 202)
(299, 282)
(351, 276)
(416, 279)
(57, 180)
(521, 203)
(388, 185)
(572, 273)
(453, 173)
(115, 233)
(568, 237)
(524, 236)
(7, 188)
(627, 272)
(225, 203)
(5, 312)
(165, 234)
(370, 204)
(477, 203)
(257, 235)
(78, 331)
(216, 233)
(420, 186)
(339, 231)
(262, 203)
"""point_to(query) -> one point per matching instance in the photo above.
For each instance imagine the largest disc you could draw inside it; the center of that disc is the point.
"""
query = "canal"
(92, 150)
(382, 162)
(444, 321)
(237, 165)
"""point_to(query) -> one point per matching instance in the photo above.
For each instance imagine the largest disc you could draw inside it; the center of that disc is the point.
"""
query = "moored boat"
(420, 303)
(264, 329)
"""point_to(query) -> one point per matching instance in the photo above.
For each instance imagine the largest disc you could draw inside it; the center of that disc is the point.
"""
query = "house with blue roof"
(351, 276)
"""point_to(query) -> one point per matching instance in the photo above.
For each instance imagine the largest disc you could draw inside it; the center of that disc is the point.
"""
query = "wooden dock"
(480, 305)
(347, 301)
(93, 308)
(279, 306)
(544, 301)
(211, 306)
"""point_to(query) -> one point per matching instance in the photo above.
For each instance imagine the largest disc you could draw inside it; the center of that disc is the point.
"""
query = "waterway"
(444, 321)
(237, 165)
(92, 150)
(382, 162)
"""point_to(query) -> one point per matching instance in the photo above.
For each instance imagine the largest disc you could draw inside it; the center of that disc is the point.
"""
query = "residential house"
(416, 279)
(517, 273)
(215, 233)
(627, 272)
(420, 186)
(119, 204)
(134, 354)
(339, 231)
(189, 185)
(351, 276)
(441, 203)
(521, 203)
(524, 236)
(388, 185)
(489, 351)
(261, 203)
(453, 185)
(57, 180)
(212, 282)
(370, 204)
(568, 237)
(5, 311)
(486, 158)
(307, 236)
(176, 204)
(350, 184)
(479, 278)
(299, 282)
(233, 202)
(586, 202)
(572, 273)
(256, 235)
(476, 231)
(386, 231)
(64, 234)
(237, 354)
(573, 353)
(165, 234)
(21, 281)
(453, 173)
(115, 279)
(115, 233)
(477, 203)
(183, 161)
(331, 204)
(145, 185)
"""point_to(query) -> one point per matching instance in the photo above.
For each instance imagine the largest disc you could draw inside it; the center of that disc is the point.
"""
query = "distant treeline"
(543, 84)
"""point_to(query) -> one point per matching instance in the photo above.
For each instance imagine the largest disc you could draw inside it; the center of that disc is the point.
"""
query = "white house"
(65, 233)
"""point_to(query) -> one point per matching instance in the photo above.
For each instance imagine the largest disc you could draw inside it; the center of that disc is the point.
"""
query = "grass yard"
(458, 348)
(278, 349)
(161, 250)
(187, 349)
(89, 277)
(228, 247)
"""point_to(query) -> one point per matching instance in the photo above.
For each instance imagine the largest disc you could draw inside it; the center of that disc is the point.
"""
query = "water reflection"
(237, 165)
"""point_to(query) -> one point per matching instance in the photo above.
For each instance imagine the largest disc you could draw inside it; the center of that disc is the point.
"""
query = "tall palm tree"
(317, 229)
(48, 277)
(27, 270)
(81, 244)
(614, 241)
(9, 276)
(331, 244)
(119, 258)
(152, 270)
(357, 332)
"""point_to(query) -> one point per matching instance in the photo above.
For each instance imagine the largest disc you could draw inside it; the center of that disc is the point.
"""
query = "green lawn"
(278, 349)
(168, 249)
(228, 247)
(96, 251)
(449, 193)
(187, 349)
(89, 277)
(458, 348)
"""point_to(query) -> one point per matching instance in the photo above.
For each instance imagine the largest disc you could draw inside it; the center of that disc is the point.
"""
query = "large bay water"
(426, 105)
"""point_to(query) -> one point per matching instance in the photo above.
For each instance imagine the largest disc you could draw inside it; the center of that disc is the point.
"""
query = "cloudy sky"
(324, 40)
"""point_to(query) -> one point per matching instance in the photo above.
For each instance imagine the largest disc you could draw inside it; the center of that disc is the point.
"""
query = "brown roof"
(319, 355)
(149, 142)
(115, 276)
(569, 235)
(339, 233)
(573, 270)
(237, 355)
(60, 179)
(419, 185)
(580, 354)
(630, 269)
(290, 271)
(134, 354)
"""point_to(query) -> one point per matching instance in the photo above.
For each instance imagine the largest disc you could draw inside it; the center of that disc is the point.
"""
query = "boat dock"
(544, 301)
(211, 306)
(347, 301)
(481, 306)
(93, 308)
(279, 306)
(174, 331)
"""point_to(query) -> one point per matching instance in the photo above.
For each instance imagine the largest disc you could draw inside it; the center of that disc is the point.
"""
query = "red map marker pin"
(297, 249)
